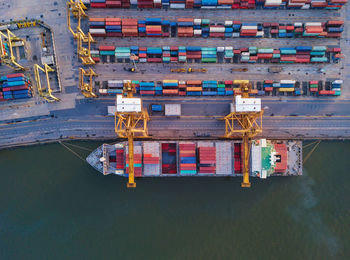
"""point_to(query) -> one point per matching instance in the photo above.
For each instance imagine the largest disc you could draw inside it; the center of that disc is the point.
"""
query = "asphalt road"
(308, 120)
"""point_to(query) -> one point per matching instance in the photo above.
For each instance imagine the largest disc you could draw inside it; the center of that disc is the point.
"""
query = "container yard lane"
(305, 117)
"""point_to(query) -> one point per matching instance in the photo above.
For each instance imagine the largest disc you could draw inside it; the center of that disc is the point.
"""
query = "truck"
(275, 69)
(240, 70)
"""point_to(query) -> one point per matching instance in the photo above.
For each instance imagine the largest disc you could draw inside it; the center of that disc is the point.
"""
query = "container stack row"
(237, 158)
(182, 54)
(14, 86)
(224, 88)
(120, 158)
(188, 159)
(137, 160)
(207, 158)
(169, 158)
(151, 158)
(218, 4)
(191, 27)
(332, 88)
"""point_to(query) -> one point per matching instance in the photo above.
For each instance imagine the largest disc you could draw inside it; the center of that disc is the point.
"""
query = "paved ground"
(75, 117)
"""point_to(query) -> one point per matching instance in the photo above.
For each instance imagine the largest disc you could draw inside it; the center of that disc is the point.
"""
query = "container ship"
(199, 158)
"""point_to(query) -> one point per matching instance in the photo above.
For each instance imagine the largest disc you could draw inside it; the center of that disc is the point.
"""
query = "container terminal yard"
(183, 67)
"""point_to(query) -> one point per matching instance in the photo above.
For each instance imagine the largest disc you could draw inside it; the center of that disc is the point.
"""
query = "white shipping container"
(244, 53)
(260, 33)
(220, 49)
(95, 52)
(178, 6)
(133, 2)
(182, 82)
(338, 81)
(273, 2)
(313, 24)
(208, 7)
(228, 48)
(235, 35)
(298, 24)
(142, 60)
(295, 4)
(197, 32)
(197, 21)
(97, 31)
(157, 1)
(172, 109)
(228, 23)
(286, 81)
(102, 91)
(249, 27)
(307, 6)
(217, 29)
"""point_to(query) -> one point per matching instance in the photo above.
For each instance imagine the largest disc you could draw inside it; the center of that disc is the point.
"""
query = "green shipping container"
(319, 48)
(209, 60)
(317, 53)
(107, 53)
(265, 50)
(319, 59)
(289, 52)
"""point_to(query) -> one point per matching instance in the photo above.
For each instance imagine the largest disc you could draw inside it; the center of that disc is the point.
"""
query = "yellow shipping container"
(170, 81)
(286, 89)
(240, 81)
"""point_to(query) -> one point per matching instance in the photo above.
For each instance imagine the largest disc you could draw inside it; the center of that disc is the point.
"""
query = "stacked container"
(113, 27)
(194, 88)
(207, 158)
(185, 27)
(129, 27)
(169, 158)
(170, 87)
(220, 4)
(151, 154)
(188, 162)
(120, 159)
(237, 156)
(153, 27)
(209, 87)
(14, 86)
(147, 88)
(189, 27)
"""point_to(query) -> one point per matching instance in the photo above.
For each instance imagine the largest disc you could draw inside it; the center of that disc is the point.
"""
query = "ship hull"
(199, 158)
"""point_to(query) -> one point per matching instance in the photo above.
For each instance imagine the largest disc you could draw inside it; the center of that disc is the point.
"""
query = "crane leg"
(246, 182)
(131, 183)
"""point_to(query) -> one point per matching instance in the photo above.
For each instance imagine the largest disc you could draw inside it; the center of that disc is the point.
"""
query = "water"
(55, 206)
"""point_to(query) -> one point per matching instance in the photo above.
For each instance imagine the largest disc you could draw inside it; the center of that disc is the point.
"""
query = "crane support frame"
(86, 88)
(45, 93)
(8, 58)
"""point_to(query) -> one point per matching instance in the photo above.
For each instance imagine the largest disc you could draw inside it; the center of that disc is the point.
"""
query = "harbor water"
(53, 205)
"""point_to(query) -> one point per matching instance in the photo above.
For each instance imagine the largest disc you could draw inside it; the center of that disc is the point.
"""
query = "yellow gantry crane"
(86, 88)
(84, 53)
(7, 42)
(46, 93)
(130, 121)
(245, 119)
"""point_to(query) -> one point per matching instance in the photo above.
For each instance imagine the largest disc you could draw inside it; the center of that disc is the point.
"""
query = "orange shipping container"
(194, 88)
